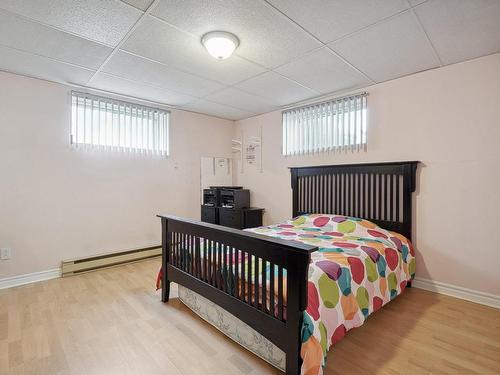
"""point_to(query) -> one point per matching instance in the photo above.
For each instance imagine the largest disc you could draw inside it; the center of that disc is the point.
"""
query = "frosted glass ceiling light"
(220, 44)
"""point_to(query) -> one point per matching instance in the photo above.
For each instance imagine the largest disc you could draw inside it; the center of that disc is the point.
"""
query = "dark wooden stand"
(241, 218)
(238, 218)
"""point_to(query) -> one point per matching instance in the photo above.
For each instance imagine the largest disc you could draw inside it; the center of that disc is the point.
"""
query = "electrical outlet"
(5, 253)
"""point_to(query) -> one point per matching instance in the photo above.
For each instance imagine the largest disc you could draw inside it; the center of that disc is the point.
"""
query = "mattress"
(358, 268)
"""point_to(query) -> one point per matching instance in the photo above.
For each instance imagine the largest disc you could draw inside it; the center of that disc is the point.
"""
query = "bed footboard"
(259, 279)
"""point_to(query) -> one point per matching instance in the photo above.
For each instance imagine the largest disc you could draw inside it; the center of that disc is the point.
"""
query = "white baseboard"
(483, 298)
(29, 278)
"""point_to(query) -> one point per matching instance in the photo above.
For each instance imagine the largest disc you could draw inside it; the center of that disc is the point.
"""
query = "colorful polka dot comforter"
(359, 268)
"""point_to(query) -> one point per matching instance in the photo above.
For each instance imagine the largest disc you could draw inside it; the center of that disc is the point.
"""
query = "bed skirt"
(233, 327)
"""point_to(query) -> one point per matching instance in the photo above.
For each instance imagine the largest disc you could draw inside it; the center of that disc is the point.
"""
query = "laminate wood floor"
(112, 322)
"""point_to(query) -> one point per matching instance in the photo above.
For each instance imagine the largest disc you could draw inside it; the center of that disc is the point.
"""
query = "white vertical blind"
(108, 124)
(336, 125)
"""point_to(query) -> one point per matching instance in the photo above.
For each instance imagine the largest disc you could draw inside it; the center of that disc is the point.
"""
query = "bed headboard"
(379, 192)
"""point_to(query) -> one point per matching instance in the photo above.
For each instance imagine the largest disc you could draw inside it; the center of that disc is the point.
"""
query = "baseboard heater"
(77, 266)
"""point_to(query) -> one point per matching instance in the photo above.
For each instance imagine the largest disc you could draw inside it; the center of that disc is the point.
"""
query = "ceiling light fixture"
(220, 44)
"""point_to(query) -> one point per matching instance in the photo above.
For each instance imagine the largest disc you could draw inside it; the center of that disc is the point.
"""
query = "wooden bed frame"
(380, 192)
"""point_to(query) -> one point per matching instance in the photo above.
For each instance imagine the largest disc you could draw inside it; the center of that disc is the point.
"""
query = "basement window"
(336, 125)
(113, 125)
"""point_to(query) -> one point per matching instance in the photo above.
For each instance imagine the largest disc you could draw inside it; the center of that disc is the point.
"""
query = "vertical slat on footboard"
(215, 281)
(180, 253)
(358, 194)
(191, 259)
(230, 273)
(223, 268)
(271, 287)
(242, 277)
(326, 190)
(263, 283)
(218, 261)
(256, 282)
(363, 198)
(178, 250)
(344, 194)
(337, 193)
(398, 216)
(194, 260)
(369, 196)
(249, 278)
(379, 199)
(185, 252)
(280, 293)
(237, 273)
(391, 199)
(205, 260)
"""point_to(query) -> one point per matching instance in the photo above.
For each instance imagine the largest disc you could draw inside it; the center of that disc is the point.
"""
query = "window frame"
(115, 125)
(330, 126)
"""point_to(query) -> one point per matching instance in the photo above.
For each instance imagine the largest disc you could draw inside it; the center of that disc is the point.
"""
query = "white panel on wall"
(215, 171)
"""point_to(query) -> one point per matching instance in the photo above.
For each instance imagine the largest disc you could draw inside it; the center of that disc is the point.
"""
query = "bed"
(302, 284)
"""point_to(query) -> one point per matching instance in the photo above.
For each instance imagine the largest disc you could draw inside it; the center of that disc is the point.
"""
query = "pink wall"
(448, 118)
(58, 203)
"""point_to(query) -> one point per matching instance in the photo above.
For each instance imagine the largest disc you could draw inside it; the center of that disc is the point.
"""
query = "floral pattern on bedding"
(358, 268)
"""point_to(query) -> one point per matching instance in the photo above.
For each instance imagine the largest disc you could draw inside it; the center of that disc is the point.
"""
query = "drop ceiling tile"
(239, 99)
(136, 68)
(329, 20)
(266, 36)
(141, 4)
(323, 71)
(103, 21)
(20, 62)
(416, 2)
(156, 40)
(276, 89)
(107, 82)
(390, 49)
(216, 109)
(462, 30)
(23, 34)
